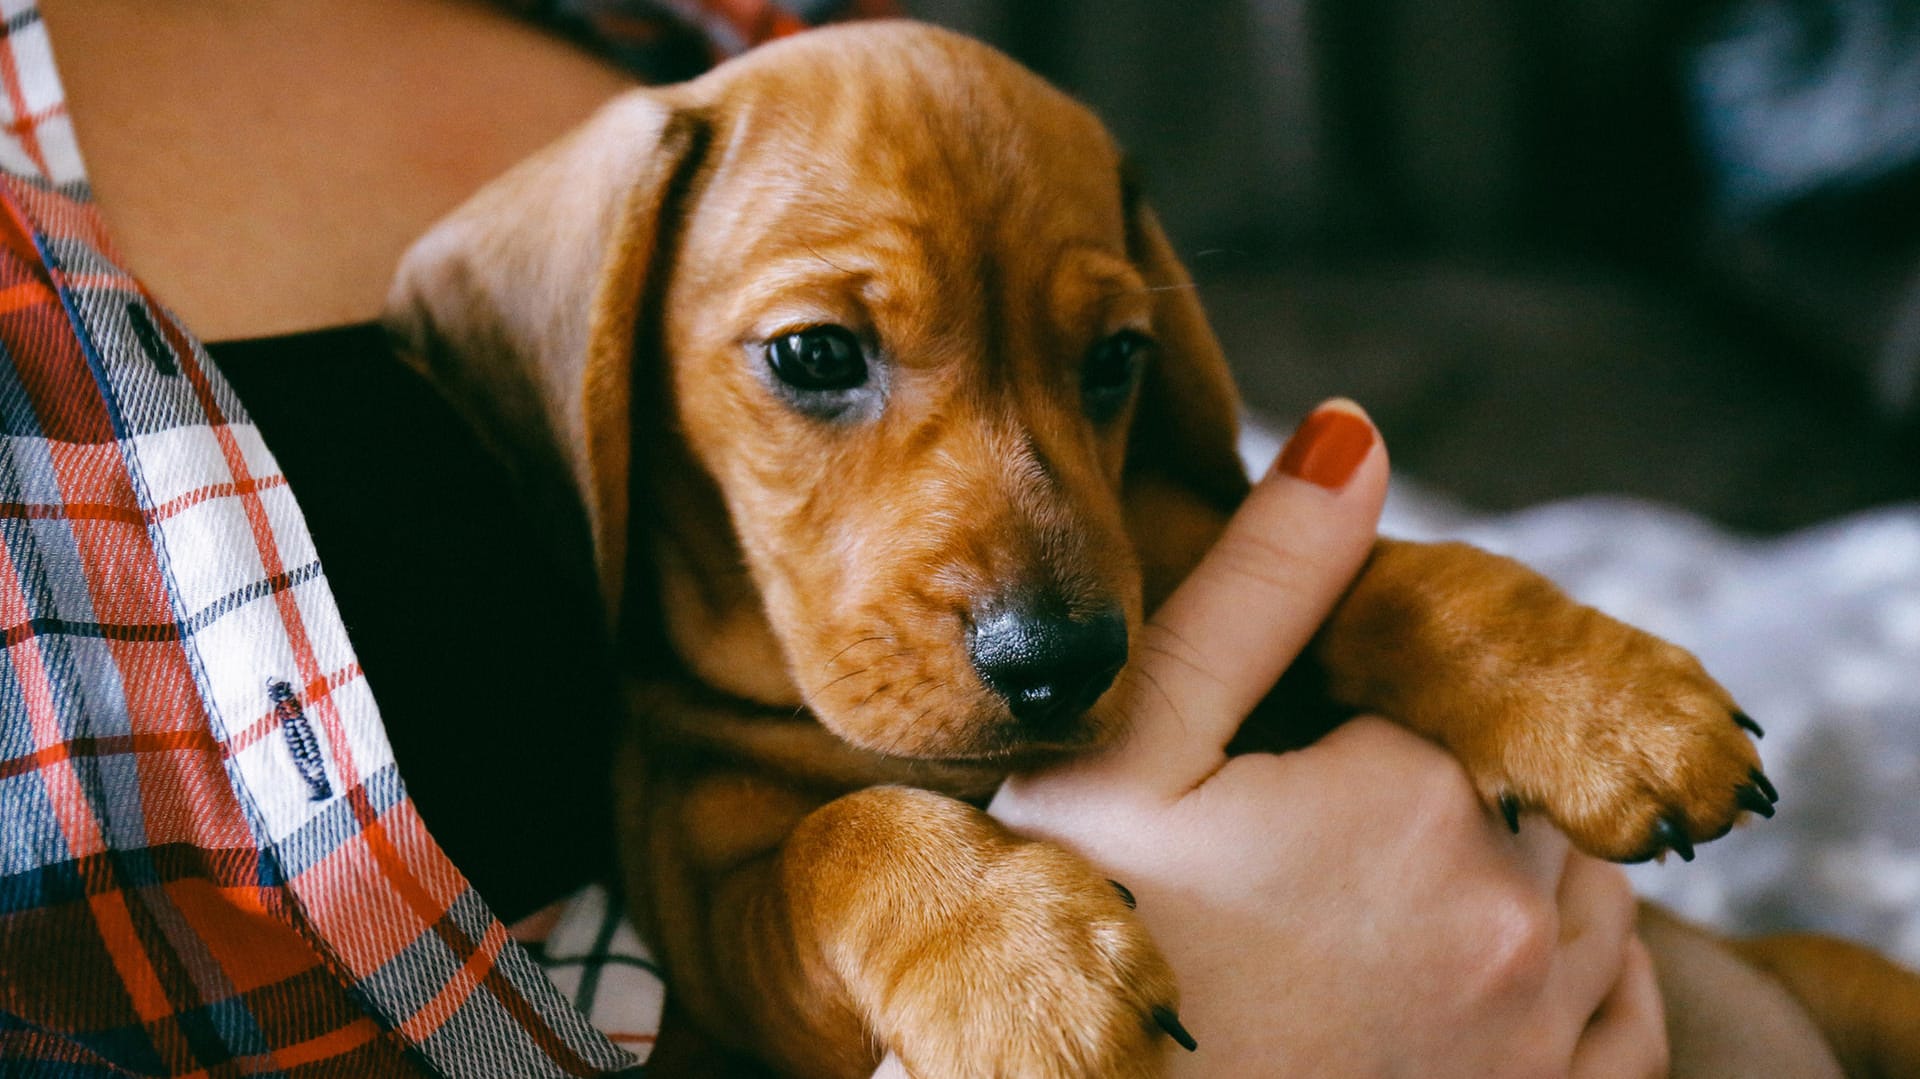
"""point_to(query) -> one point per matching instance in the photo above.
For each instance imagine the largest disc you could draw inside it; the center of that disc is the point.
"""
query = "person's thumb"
(1224, 637)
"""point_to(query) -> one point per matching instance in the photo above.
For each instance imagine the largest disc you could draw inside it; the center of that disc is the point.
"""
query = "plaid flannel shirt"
(208, 862)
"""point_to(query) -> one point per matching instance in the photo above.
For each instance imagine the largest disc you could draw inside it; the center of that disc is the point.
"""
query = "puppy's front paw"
(1044, 974)
(1617, 736)
(977, 954)
(1621, 738)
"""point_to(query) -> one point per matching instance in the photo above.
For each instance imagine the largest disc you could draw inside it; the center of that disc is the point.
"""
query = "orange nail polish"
(1327, 448)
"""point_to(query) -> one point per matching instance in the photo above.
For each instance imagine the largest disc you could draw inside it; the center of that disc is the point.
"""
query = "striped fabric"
(593, 955)
(208, 863)
(670, 40)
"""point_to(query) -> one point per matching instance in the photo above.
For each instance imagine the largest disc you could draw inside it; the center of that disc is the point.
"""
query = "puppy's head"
(926, 410)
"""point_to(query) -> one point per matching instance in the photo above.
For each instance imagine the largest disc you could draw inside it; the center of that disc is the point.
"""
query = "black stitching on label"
(19, 21)
(300, 739)
(149, 337)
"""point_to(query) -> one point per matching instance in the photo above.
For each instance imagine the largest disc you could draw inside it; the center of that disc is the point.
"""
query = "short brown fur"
(799, 797)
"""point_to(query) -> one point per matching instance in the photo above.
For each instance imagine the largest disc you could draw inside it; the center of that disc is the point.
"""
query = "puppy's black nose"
(1048, 667)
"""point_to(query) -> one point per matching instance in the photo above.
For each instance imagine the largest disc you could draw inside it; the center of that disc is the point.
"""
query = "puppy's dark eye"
(1110, 371)
(818, 358)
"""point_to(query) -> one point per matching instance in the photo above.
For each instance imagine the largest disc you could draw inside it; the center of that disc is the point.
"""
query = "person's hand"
(1348, 909)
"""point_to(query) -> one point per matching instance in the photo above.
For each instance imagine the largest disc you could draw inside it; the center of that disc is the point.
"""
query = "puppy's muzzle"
(1048, 665)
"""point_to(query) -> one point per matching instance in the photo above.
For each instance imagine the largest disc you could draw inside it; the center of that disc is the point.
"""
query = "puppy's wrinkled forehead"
(933, 138)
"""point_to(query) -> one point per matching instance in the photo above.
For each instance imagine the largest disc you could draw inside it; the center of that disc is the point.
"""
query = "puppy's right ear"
(522, 307)
(1184, 475)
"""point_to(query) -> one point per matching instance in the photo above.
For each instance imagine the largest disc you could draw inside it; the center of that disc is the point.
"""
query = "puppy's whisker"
(899, 737)
(937, 686)
(907, 697)
(1183, 660)
(825, 259)
(1172, 705)
(942, 729)
(1182, 287)
(844, 677)
(868, 669)
(877, 690)
(835, 658)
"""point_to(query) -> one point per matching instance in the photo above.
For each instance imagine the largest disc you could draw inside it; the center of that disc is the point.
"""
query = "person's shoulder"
(312, 145)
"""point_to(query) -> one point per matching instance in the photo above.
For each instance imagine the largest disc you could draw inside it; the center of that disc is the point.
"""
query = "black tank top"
(482, 642)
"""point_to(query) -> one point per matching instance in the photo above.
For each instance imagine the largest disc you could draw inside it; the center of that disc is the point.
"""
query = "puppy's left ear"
(522, 307)
(1183, 475)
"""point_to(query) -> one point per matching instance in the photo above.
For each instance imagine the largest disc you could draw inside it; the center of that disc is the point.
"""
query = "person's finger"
(1596, 925)
(1628, 1036)
(1540, 851)
(1541, 848)
(1220, 642)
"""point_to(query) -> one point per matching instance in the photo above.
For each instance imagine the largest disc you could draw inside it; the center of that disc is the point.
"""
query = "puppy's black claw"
(1753, 800)
(1766, 787)
(1746, 723)
(1170, 1023)
(1126, 896)
(1672, 834)
(1510, 809)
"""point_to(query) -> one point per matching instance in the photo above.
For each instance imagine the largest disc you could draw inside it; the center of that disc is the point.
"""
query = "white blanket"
(1816, 634)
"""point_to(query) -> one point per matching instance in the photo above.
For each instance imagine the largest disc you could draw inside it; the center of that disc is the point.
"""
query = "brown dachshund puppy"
(890, 410)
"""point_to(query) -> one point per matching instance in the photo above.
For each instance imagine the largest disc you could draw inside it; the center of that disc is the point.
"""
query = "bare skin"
(272, 188)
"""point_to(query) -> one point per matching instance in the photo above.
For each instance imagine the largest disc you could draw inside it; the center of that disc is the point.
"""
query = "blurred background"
(1558, 247)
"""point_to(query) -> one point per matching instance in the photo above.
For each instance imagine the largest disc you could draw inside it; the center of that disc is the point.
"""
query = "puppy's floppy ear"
(1183, 475)
(522, 307)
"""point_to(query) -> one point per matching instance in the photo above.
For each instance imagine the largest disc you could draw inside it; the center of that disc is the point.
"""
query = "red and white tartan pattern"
(208, 863)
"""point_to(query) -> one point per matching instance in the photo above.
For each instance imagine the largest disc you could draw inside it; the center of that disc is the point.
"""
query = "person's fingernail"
(1170, 1022)
(1328, 447)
